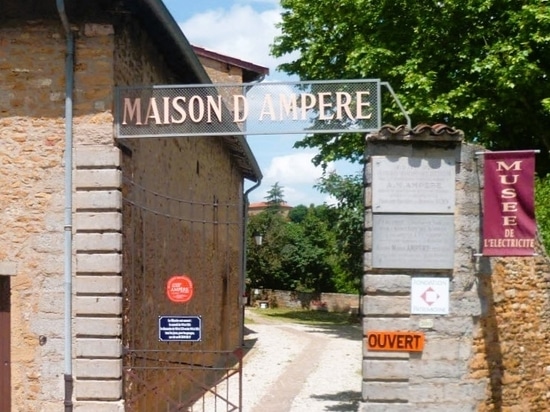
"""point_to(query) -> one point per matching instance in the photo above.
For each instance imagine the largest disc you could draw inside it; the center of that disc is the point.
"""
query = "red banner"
(509, 207)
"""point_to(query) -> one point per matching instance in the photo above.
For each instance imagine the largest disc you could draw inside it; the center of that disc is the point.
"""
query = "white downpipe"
(68, 212)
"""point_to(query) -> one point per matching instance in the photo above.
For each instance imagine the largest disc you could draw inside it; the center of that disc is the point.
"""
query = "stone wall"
(491, 351)
(32, 125)
(511, 347)
(31, 204)
(333, 302)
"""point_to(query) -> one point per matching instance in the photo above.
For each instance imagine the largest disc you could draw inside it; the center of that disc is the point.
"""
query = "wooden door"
(5, 372)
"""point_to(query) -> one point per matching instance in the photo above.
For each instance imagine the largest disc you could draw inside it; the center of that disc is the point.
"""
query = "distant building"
(258, 207)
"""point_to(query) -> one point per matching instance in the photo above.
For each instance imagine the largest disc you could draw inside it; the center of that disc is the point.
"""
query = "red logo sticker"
(179, 289)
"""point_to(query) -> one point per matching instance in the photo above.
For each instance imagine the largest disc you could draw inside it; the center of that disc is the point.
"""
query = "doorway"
(5, 330)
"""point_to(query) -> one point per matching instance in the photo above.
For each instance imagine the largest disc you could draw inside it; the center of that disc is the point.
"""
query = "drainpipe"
(243, 277)
(68, 222)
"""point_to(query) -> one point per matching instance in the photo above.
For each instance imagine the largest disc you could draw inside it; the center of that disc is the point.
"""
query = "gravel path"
(298, 368)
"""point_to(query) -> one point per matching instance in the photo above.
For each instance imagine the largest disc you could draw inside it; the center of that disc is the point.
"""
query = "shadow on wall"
(490, 344)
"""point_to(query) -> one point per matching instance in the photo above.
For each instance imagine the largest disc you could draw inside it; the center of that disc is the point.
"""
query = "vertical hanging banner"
(509, 208)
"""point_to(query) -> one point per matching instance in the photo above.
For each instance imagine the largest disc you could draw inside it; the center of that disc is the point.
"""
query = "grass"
(308, 317)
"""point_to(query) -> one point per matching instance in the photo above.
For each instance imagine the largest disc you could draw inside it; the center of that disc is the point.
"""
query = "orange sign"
(179, 289)
(395, 341)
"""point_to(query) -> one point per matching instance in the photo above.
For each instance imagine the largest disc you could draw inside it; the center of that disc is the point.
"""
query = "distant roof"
(251, 72)
(260, 205)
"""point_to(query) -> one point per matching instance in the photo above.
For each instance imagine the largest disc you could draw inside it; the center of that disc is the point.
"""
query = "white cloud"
(297, 175)
(239, 32)
(294, 168)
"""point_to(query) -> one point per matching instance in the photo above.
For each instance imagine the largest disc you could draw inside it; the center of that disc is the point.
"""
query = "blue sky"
(245, 29)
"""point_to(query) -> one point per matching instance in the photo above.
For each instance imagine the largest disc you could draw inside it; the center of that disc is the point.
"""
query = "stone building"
(95, 228)
(486, 346)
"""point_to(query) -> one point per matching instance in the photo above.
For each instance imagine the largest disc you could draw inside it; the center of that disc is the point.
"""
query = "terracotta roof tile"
(422, 131)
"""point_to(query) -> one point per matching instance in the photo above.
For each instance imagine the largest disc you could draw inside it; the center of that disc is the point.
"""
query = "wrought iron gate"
(167, 235)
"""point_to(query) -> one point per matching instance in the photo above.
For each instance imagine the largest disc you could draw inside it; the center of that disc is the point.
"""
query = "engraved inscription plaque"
(413, 184)
(402, 241)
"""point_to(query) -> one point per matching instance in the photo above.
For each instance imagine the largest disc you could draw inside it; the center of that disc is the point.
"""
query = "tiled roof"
(437, 131)
(252, 71)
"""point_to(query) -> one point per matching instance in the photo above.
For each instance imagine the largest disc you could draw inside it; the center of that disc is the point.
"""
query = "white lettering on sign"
(209, 109)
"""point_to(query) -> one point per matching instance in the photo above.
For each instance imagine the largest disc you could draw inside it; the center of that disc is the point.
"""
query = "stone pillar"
(437, 377)
(97, 306)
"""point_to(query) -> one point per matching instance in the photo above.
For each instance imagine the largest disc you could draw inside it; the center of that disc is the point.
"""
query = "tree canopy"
(478, 65)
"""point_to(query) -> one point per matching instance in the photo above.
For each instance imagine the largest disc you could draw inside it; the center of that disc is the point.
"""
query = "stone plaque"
(404, 241)
(413, 184)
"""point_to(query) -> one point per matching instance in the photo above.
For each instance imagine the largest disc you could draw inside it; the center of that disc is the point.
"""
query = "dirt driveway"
(296, 368)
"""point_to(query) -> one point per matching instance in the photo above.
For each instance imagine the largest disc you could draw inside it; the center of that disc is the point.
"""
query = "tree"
(479, 65)
(275, 195)
(348, 229)
(298, 213)
(295, 255)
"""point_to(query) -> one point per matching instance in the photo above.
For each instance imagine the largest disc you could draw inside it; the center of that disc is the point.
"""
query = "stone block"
(96, 242)
(98, 285)
(98, 305)
(8, 268)
(99, 221)
(454, 348)
(98, 368)
(98, 348)
(386, 305)
(386, 370)
(99, 263)
(385, 391)
(387, 283)
(453, 325)
(93, 30)
(466, 394)
(98, 179)
(99, 390)
(465, 304)
(96, 156)
(437, 369)
(98, 199)
(86, 326)
(94, 406)
(385, 407)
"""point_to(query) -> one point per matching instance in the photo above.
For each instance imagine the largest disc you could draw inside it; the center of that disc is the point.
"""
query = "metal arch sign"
(249, 109)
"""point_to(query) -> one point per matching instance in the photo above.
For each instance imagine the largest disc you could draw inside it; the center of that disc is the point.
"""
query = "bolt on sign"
(509, 225)
(395, 341)
(179, 289)
(249, 108)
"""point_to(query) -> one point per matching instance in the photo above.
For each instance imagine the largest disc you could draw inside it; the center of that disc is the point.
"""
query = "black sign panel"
(180, 328)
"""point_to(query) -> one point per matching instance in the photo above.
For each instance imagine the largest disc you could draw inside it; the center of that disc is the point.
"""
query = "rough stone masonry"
(491, 350)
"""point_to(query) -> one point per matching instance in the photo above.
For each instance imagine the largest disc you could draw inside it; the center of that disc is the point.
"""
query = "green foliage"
(542, 209)
(295, 255)
(298, 214)
(479, 65)
(275, 195)
(348, 227)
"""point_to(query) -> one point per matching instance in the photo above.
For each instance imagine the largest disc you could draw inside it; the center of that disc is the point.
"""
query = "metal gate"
(181, 355)
(5, 331)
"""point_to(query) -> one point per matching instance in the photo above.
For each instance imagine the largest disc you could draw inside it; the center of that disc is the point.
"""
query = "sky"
(245, 29)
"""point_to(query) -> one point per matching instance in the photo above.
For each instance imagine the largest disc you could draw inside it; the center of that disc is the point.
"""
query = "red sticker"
(179, 289)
